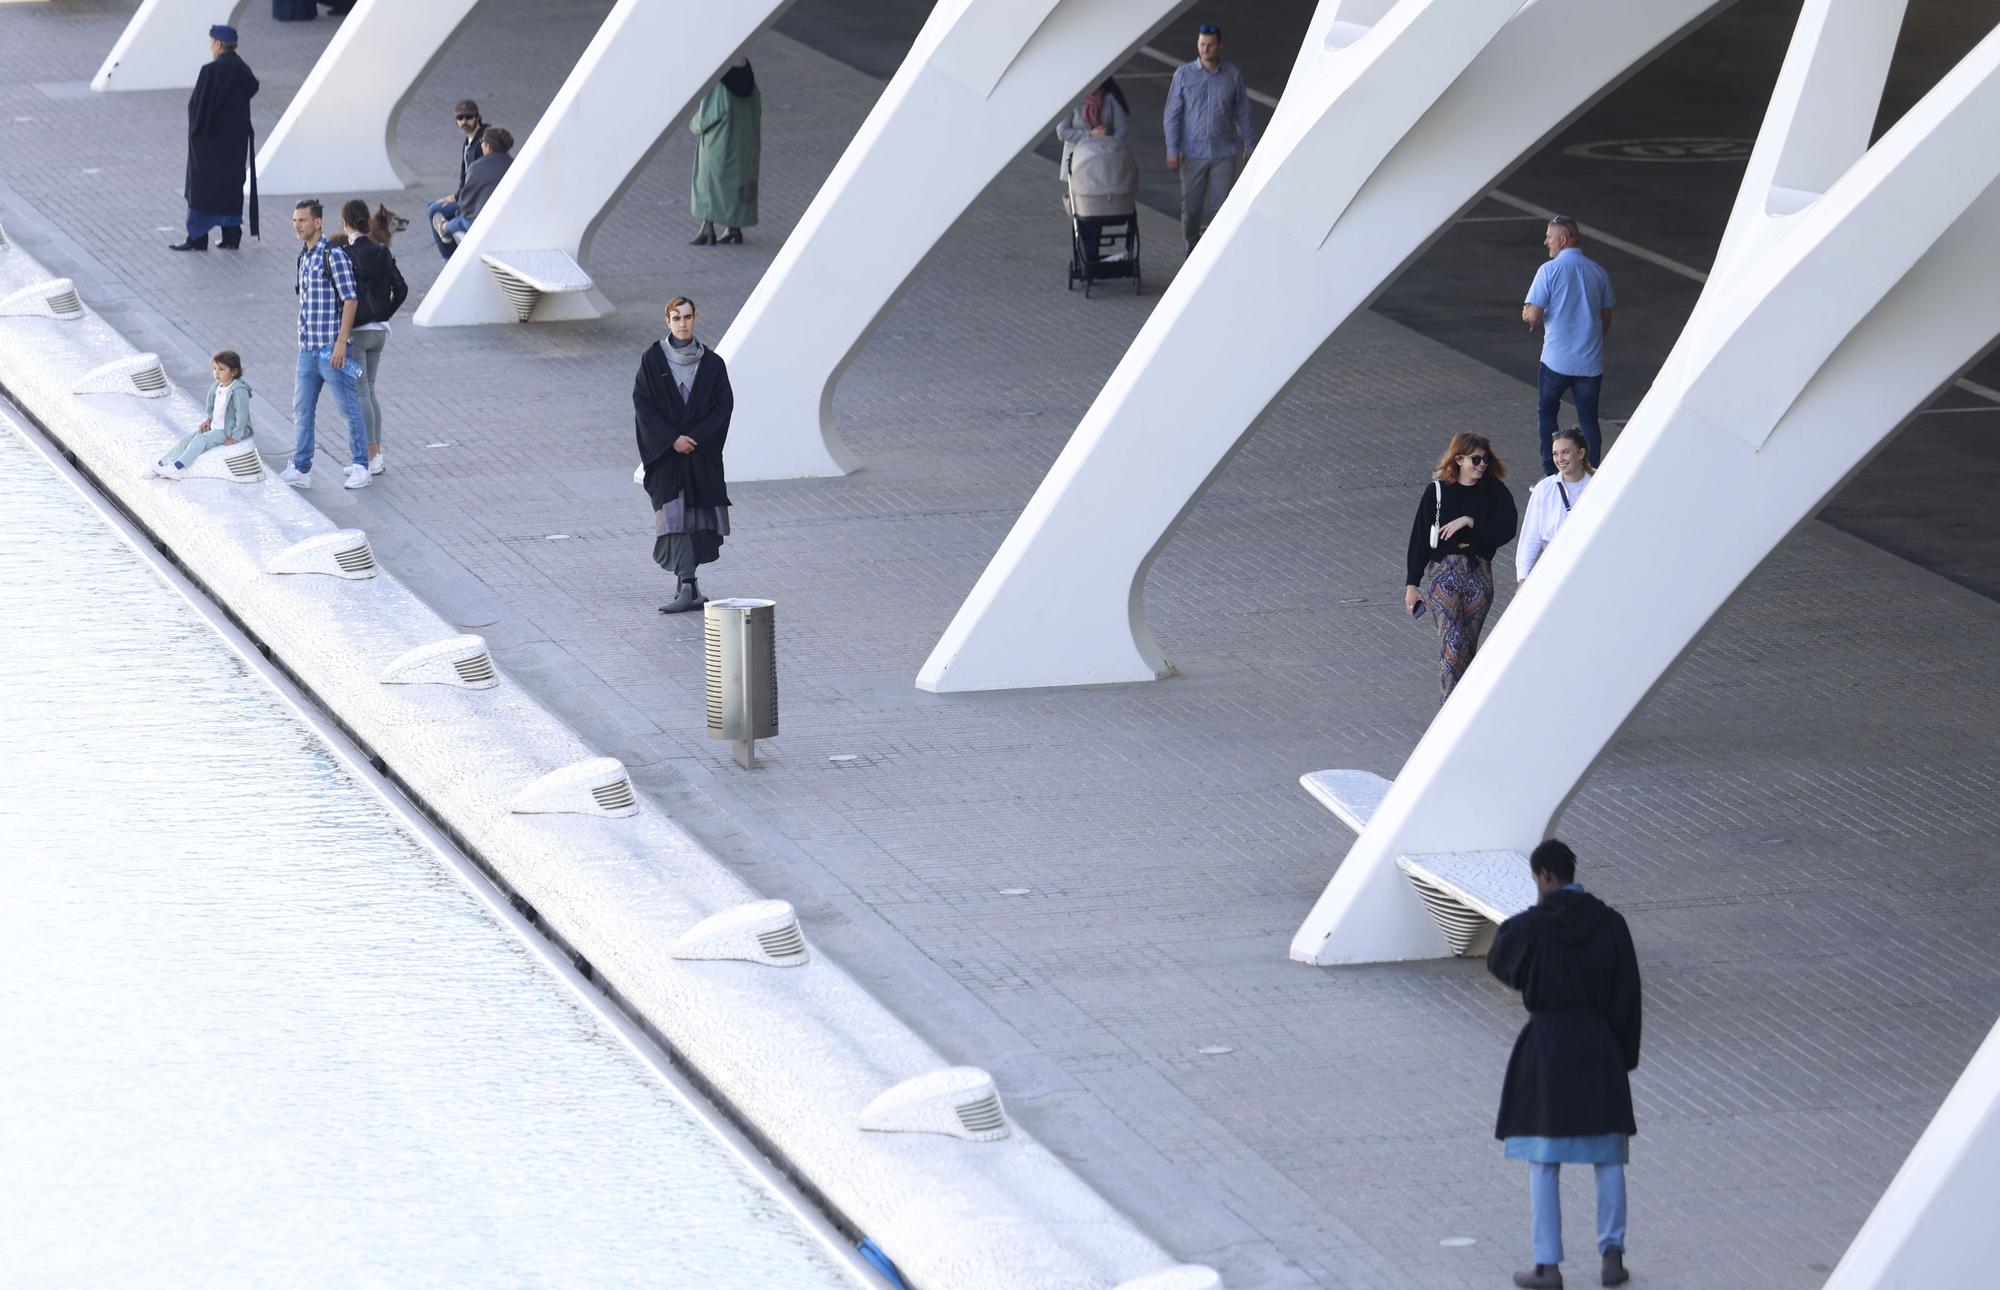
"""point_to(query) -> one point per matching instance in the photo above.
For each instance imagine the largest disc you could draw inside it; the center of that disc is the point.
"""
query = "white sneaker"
(172, 470)
(295, 477)
(151, 472)
(357, 477)
(376, 465)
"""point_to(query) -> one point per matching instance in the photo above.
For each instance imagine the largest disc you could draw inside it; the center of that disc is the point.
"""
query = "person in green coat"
(728, 123)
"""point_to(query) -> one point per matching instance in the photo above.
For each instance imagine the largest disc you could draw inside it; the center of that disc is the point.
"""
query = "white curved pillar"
(164, 46)
(1934, 1226)
(640, 76)
(1396, 118)
(1801, 359)
(982, 80)
(339, 131)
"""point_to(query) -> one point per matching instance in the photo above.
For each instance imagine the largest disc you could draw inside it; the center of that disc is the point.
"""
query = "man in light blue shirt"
(1208, 129)
(1571, 299)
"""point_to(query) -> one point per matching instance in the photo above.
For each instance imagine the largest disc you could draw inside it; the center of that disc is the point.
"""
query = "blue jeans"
(1545, 1202)
(448, 209)
(316, 369)
(1583, 389)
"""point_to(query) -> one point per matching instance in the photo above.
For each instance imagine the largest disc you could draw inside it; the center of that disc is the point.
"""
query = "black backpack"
(376, 279)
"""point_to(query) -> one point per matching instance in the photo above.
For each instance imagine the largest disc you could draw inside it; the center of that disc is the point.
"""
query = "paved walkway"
(1081, 890)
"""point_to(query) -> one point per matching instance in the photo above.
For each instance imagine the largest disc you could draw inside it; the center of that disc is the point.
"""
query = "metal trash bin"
(742, 651)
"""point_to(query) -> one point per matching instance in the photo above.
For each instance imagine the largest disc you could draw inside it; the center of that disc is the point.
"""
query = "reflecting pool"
(255, 1031)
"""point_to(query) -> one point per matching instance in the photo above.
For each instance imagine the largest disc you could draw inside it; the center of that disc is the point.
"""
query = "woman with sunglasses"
(1464, 516)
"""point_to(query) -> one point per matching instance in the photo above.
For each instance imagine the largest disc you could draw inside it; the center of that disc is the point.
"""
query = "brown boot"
(1614, 1268)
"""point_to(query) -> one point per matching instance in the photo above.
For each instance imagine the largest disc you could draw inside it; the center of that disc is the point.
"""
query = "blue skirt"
(1598, 1149)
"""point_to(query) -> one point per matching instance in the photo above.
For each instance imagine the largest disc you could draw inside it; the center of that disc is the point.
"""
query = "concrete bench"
(527, 276)
(1467, 893)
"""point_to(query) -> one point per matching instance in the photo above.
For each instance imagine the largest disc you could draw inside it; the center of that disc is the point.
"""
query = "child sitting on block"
(227, 422)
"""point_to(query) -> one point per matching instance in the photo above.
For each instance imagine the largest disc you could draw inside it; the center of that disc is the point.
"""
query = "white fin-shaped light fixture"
(458, 661)
(763, 931)
(595, 786)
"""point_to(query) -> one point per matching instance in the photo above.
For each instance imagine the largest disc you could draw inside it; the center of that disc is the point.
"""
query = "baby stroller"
(1103, 208)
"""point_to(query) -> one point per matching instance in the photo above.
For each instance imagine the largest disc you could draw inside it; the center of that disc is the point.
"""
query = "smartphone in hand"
(1418, 612)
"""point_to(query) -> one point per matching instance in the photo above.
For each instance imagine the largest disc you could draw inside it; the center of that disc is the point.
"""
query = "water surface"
(256, 1032)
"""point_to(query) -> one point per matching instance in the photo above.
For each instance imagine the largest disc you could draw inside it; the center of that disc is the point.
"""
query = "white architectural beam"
(1395, 120)
(164, 46)
(982, 80)
(338, 134)
(1861, 306)
(1934, 1226)
(642, 73)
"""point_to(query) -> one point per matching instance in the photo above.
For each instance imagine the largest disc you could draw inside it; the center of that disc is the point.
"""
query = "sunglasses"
(1477, 458)
(1208, 29)
(466, 116)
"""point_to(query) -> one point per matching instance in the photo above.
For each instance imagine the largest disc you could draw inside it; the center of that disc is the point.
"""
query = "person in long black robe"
(1568, 1094)
(219, 146)
(681, 404)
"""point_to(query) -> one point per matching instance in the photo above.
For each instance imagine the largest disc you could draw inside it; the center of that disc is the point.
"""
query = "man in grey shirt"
(1208, 129)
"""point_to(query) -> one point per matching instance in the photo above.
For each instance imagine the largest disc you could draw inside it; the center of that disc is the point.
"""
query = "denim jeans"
(448, 209)
(316, 369)
(1584, 390)
(364, 348)
(1545, 1205)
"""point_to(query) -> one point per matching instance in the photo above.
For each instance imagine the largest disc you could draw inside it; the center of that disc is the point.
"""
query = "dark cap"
(223, 32)
(467, 105)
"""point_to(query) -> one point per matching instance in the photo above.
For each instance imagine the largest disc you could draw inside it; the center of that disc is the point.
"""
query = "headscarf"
(1093, 110)
(740, 80)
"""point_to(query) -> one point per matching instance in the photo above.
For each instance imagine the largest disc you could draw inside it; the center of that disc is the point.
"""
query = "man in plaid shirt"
(328, 299)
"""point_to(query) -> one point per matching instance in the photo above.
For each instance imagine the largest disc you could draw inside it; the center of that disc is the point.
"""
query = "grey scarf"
(686, 358)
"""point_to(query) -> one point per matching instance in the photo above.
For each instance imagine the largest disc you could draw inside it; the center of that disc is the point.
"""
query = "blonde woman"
(1464, 516)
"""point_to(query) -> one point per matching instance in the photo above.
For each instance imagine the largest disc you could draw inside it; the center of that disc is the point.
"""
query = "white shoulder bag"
(1437, 511)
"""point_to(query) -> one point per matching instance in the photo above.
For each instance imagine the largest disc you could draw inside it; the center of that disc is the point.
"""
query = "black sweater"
(1494, 520)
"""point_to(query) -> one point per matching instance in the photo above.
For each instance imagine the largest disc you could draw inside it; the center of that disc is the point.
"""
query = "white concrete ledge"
(799, 1053)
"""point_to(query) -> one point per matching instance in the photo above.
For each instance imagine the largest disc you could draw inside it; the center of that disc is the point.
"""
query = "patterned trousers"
(1461, 592)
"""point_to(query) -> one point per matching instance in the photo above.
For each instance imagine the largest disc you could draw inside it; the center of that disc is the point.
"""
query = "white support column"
(1797, 364)
(339, 131)
(1934, 1226)
(1394, 121)
(983, 79)
(164, 46)
(643, 72)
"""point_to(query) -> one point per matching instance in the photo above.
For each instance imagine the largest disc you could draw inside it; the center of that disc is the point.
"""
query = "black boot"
(1546, 1276)
(192, 244)
(734, 237)
(706, 237)
(232, 239)
(689, 597)
(1614, 1268)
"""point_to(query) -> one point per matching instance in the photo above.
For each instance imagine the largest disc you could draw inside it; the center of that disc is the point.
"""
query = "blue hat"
(223, 32)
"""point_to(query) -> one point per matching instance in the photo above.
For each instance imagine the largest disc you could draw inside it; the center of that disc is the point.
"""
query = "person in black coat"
(681, 403)
(1568, 1095)
(219, 146)
(1469, 510)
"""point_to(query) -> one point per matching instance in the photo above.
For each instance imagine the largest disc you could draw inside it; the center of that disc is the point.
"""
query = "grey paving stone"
(1799, 824)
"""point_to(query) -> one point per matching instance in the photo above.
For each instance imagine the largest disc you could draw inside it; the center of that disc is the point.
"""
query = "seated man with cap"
(445, 209)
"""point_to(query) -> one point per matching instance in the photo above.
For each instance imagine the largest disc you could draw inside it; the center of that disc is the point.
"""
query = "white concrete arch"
(1934, 1225)
(164, 46)
(339, 131)
(983, 79)
(1396, 118)
(1831, 322)
(642, 73)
